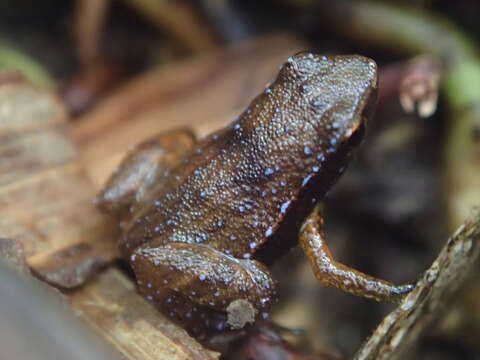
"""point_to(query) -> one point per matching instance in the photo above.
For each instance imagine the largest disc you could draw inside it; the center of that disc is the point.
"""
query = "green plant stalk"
(11, 58)
(462, 157)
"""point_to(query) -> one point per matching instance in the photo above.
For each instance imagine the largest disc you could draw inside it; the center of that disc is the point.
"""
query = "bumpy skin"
(142, 171)
(239, 197)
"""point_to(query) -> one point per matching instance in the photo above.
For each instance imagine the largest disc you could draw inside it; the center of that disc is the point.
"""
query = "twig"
(89, 19)
(180, 21)
(402, 327)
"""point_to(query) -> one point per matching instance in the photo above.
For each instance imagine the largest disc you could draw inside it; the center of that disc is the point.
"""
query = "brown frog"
(201, 220)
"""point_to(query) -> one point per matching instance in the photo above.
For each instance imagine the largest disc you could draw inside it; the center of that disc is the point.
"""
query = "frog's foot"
(181, 273)
(143, 168)
(332, 273)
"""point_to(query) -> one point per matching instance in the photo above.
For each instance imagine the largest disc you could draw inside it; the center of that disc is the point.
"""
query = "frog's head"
(338, 94)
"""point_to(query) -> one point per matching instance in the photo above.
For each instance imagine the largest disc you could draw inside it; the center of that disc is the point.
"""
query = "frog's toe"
(400, 291)
(404, 289)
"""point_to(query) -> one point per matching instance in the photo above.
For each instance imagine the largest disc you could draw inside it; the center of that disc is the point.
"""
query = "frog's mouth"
(368, 111)
(357, 136)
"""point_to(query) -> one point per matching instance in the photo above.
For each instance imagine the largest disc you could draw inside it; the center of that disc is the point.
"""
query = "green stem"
(11, 58)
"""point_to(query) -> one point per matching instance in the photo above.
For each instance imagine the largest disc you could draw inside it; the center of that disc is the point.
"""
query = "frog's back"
(241, 186)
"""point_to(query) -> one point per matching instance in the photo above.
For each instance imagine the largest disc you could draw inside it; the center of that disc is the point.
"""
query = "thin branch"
(438, 286)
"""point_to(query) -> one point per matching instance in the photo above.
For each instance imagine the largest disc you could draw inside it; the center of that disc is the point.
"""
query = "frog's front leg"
(207, 278)
(142, 169)
(331, 273)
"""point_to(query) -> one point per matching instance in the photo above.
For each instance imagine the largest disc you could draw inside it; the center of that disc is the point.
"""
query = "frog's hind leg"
(189, 279)
(331, 273)
(142, 168)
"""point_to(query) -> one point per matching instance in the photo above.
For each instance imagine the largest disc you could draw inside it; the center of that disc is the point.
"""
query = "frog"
(202, 221)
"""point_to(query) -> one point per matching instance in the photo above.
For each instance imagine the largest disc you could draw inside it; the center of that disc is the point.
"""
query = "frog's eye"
(303, 53)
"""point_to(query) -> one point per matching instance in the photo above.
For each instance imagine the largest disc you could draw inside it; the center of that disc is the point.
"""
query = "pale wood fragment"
(45, 197)
(116, 311)
(13, 254)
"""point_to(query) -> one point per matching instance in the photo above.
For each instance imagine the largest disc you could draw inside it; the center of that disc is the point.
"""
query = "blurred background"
(123, 70)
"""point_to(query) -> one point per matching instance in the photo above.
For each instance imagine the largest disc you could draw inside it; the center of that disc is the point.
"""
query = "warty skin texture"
(238, 198)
